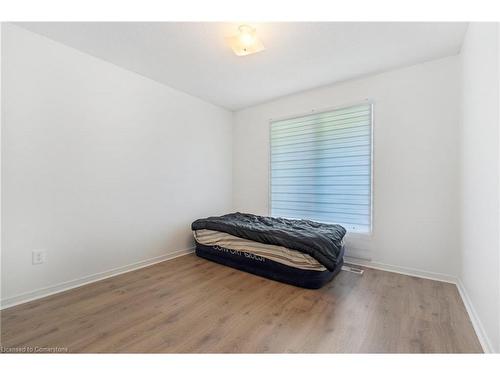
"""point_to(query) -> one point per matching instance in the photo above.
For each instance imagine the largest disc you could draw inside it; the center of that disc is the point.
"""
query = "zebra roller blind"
(321, 167)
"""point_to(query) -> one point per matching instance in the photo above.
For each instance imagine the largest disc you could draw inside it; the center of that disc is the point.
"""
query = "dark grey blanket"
(321, 241)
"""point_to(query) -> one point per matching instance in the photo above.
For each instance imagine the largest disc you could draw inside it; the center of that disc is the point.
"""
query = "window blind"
(321, 167)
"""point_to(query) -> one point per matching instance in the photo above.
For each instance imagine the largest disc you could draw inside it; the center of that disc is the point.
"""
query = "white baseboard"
(402, 270)
(474, 318)
(61, 287)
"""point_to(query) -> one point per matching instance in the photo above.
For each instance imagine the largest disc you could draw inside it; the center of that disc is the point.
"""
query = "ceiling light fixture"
(246, 42)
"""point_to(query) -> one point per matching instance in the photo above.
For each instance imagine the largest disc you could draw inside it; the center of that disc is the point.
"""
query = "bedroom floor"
(189, 304)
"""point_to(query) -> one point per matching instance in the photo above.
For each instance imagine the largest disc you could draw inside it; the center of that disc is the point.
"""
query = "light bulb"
(247, 39)
(247, 35)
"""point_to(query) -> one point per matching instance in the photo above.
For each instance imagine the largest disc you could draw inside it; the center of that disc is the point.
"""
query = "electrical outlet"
(39, 256)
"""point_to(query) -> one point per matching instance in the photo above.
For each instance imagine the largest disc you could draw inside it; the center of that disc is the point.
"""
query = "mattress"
(271, 261)
(279, 254)
(321, 241)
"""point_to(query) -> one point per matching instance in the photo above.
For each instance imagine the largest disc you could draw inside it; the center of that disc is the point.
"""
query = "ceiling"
(194, 57)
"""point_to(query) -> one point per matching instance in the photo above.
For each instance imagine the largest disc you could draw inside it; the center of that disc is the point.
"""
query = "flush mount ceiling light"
(246, 42)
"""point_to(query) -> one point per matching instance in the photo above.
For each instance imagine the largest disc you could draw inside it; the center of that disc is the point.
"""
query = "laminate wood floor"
(189, 304)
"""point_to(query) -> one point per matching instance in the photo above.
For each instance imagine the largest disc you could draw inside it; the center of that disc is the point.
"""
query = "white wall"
(415, 194)
(480, 274)
(100, 166)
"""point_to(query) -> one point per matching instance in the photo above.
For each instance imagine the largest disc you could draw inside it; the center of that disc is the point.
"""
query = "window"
(321, 167)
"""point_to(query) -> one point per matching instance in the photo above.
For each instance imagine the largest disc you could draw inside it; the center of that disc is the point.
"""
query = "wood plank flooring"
(191, 305)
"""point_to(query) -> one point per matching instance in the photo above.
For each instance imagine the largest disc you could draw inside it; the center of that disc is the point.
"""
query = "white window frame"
(371, 102)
